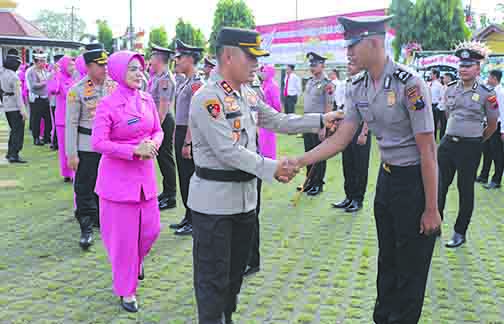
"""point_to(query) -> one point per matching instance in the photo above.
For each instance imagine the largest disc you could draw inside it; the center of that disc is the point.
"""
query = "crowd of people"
(215, 129)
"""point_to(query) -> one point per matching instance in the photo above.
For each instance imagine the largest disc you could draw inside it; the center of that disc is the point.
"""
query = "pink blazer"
(123, 120)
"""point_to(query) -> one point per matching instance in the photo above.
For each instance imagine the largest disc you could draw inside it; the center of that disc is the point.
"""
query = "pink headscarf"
(63, 64)
(270, 87)
(118, 65)
(80, 65)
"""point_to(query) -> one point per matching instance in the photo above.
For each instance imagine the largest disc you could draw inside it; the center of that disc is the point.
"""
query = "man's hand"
(430, 222)
(24, 115)
(186, 152)
(286, 170)
(332, 120)
(362, 139)
(73, 162)
(322, 134)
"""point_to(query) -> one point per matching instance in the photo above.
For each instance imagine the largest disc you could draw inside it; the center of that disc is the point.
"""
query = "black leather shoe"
(16, 159)
(456, 241)
(167, 203)
(131, 307)
(67, 180)
(46, 141)
(314, 191)
(184, 231)
(86, 240)
(342, 204)
(179, 225)
(228, 319)
(38, 142)
(251, 270)
(141, 276)
(354, 206)
(491, 185)
(480, 179)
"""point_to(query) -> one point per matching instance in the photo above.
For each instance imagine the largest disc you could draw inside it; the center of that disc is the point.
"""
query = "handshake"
(287, 169)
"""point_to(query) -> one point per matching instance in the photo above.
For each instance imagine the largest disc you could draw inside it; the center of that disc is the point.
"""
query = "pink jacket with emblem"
(123, 120)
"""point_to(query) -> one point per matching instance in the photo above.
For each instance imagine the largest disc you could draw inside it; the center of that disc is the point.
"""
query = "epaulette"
(452, 83)
(402, 75)
(359, 79)
(487, 88)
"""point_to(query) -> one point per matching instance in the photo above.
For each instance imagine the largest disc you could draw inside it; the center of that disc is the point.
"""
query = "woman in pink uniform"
(128, 134)
(267, 139)
(80, 65)
(59, 87)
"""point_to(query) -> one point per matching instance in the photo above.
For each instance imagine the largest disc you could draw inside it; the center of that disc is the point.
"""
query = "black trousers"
(463, 158)
(439, 121)
(40, 109)
(493, 151)
(185, 168)
(87, 212)
(166, 159)
(16, 136)
(290, 104)
(221, 244)
(54, 139)
(404, 254)
(317, 176)
(254, 259)
(355, 167)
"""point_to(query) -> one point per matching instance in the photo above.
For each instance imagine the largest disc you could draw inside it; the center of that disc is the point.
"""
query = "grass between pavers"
(318, 264)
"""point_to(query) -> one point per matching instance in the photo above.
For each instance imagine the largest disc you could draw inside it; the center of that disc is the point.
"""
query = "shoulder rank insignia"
(213, 107)
(387, 82)
(452, 83)
(487, 88)
(359, 79)
(227, 88)
(402, 75)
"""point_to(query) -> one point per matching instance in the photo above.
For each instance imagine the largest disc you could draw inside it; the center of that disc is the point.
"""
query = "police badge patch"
(213, 107)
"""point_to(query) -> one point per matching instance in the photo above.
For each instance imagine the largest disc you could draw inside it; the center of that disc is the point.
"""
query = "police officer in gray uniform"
(162, 89)
(82, 100)
(224, 118)
(318, 98)
(397, 107)
(11, 102)
(472, 118)
(186, 59)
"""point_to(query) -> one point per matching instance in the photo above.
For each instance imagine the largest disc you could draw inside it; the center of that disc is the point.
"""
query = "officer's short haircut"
(436, 73)
(218, 53)
(496, 74)
(292, 67)
(336, 72)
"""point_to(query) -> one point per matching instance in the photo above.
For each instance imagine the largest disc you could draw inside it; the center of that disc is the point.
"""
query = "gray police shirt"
(183, 96)
(318, 95)
(396, 108)
(468, 109)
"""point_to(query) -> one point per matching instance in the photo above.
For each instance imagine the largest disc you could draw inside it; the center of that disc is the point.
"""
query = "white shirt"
(499, 91)
(295, 87)
(339, 92)
(442, 104)
(436, 92)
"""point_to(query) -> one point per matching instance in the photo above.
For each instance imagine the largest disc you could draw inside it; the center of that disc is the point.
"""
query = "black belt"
(224, 175)
(458, 139)
(397, 170)
(83, 130)
(9, 94)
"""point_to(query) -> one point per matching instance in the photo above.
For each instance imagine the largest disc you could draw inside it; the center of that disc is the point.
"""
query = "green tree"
(157, 36)
(60, 25)
(105, 35)
(435, 24)
(230, 13)
(188, 34)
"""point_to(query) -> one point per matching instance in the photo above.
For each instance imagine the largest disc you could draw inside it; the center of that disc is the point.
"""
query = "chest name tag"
(233, 114)
(476, 97)
(133, 121)
(362, 104)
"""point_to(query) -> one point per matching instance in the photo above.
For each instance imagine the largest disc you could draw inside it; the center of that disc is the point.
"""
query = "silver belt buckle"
(455, 139)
